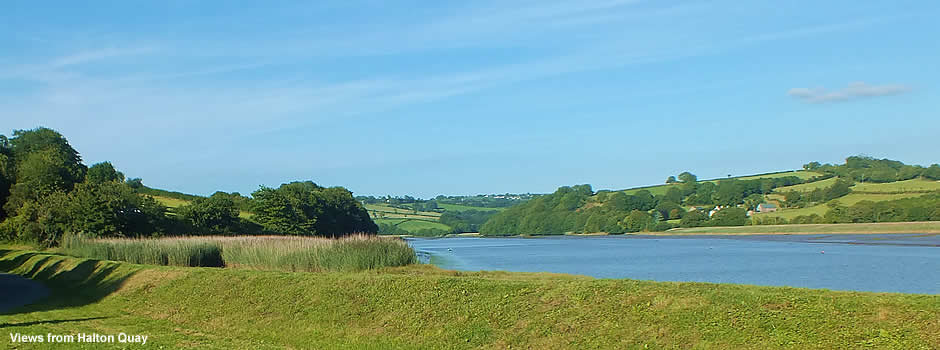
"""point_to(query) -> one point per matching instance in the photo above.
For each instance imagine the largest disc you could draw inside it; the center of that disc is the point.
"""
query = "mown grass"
(421, 307)
(351, 253)
(929, 227)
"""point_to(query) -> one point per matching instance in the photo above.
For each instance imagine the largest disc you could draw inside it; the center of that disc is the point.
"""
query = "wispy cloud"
(852, 91)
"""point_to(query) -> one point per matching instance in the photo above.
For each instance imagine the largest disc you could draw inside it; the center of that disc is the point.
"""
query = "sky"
(471, 97)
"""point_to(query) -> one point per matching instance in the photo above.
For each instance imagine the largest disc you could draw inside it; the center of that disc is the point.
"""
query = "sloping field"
(413, 225)
(913, 185)
(170, 202)
(421, 307)
(807, 187)
(661, 189)
(458, 207)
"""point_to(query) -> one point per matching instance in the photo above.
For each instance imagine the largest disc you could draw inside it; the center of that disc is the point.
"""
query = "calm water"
(880, 263)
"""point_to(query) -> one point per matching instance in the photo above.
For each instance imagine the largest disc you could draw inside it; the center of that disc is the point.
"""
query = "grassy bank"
(881, 227)
(352, 253)
(423, 307)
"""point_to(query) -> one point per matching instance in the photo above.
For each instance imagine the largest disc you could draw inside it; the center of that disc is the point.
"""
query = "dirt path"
(17, 291)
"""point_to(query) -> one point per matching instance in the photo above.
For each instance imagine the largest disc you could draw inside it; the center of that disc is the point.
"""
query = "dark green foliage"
(669, 210)
(638, 221)
(304, 208)
(44, 163)
(729, 217)
(840, 188)
(103, 172)
(467, 220)
(109, 209)
(693, 218)
(924, 208)
(214, 215)
(868, 169)
(687, 177)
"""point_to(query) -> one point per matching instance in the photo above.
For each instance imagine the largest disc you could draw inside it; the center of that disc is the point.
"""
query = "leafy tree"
(304, 208)
(687, 177)
(103, 172)
(135, 183)
(729, 217)
(673, 194)
(693, 218)
(214, 215)
(671, 180)
(638, 221)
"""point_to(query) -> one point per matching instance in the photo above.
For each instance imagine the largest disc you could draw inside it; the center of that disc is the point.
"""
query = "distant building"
(766, 208)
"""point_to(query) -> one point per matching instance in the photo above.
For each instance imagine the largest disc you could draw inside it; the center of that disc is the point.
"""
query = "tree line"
(47, 192)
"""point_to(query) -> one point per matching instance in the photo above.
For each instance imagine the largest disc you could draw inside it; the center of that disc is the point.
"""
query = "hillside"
(424, 307)
(861, 190)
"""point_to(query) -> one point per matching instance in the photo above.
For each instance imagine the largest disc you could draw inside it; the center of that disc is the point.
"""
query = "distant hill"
(863, 189)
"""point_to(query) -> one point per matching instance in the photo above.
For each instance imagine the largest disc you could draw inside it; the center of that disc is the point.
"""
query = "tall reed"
(351, 253)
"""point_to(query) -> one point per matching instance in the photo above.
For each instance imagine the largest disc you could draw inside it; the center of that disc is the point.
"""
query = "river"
(906, 263)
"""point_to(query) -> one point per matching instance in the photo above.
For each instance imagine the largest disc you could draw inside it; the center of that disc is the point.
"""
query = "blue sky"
(447, 97)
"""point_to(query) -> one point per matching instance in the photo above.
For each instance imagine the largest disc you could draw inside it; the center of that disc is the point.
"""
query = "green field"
(847, 200)
(932, 227)
(661, 189)
(458, 207)
(176, 203)
(420, 307)
(789, 214)
(853, 198)
(807, 187)
(171, 202)
(913, 185)
(413, 225)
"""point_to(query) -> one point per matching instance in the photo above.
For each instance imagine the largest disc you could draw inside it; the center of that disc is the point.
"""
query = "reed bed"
(351, 253)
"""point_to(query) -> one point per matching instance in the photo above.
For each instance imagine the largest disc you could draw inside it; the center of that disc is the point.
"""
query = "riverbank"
(425, 307)
(927, 227)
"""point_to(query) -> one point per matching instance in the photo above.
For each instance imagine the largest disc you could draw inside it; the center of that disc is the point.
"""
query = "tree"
(638, 221)
(694, 218)
(103, 172)
(811, 166)
(214, 215)
(729, 217)
(671, 180)
(44, 163)
(673, 195)
(39, 174)
(304, 208)
(687, 177)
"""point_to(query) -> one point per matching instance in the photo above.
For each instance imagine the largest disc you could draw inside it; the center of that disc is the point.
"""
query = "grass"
(176, 203)
(170, 202)
(413, 225)
(789, 214)
(847, 200)
(807, 187)
(853, 198)
(930, 227)
(351, 253)
(913, 185)
(661, 189)
(420, 307)
(458, 207)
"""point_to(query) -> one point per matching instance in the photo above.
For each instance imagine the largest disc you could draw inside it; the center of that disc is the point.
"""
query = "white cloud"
(852, 91)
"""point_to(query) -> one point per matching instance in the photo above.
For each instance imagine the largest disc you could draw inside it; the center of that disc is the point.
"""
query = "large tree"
(304, 208)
